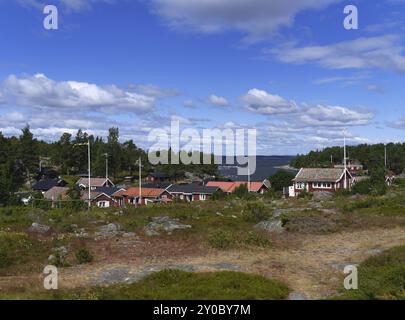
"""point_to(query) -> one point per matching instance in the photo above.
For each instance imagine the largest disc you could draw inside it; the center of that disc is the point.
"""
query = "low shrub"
(255, 212)
(83, 256)
(221, 240)
(381, 277)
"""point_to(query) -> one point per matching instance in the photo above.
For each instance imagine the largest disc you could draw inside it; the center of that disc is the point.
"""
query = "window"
(300, 185)
(102, 204)
(322, 185)
(203, 197)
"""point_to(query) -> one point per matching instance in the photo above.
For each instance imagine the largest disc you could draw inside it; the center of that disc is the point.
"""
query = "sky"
(288, 69)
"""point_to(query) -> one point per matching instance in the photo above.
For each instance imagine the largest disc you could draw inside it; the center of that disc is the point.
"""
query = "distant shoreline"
(286, 167)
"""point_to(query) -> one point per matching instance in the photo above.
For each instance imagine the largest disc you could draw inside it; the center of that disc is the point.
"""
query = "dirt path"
(312, 265)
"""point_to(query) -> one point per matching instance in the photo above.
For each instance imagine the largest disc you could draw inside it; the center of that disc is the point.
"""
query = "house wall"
(109, 202)
(334, 186)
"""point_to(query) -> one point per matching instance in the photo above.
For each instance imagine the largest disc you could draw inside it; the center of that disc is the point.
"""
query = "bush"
(83, 255)
(255, 239)
(281, 180)
(58, 260)
(304, 194)
(220, 240)
(255, 212)
(362, 187)
(218, 195)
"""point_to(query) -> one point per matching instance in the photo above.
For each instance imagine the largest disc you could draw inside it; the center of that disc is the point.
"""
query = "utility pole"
(89, 163)
(106, 165)
(344, 161)
(249, 174)
(140, 180)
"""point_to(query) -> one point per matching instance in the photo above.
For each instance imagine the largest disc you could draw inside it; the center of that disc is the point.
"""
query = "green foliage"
(221, 240)
(224, 240)
(241, 191)
(304, 194)
(371, 156)
(218, 195)
(181, 285)
(381, 277)
(17, 249)
(281, 179)
(58, 260)
(83, 255)
(362, 187)
(255, 212)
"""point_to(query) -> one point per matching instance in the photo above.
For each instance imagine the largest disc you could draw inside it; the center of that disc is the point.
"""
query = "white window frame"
(300, 185)
(322, 185)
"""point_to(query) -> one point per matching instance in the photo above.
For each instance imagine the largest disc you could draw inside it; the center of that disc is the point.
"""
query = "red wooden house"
(321, 180)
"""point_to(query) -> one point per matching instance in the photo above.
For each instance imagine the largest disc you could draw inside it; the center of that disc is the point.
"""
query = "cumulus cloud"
(322, 115)
(255, 18)
(262, 102)
(217, 100)
(40, 91)
(383, 52)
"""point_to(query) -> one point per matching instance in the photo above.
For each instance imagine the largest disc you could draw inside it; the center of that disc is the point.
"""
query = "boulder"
(39, 228)
(163, 223)
(273, 225)
(321, 196)
(111, 229)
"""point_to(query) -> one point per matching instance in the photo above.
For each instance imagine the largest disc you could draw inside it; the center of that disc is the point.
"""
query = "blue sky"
(287, 68)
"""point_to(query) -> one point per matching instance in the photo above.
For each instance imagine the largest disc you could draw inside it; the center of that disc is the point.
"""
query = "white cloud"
(322, 115)
(40, 91)
(154, 91)
(383, 52)
(260, 101)
(345, 80)
(255, 18)
(217, 100)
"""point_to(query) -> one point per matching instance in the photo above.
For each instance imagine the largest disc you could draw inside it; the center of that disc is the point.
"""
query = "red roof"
(145, 192)
(230, 187)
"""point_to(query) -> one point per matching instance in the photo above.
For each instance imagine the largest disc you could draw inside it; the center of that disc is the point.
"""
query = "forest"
(371, 156)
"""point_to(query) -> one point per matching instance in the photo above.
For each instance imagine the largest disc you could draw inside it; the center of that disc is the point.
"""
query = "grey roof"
(192, 189)
(158, 175)
(319, 174)
(46, 184)
(109, 191)
(158, 185)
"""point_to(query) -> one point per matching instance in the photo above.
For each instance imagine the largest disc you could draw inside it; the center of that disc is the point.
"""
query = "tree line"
(371, 156)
